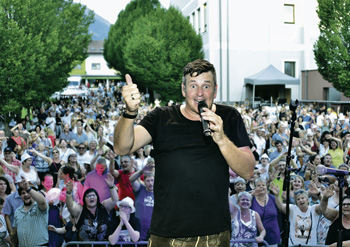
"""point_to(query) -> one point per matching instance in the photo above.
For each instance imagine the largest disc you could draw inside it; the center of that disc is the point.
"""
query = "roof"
(96, 46)
(271, 76)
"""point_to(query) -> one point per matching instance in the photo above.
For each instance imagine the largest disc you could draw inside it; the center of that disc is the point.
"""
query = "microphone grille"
(202, 104)
(321, 170)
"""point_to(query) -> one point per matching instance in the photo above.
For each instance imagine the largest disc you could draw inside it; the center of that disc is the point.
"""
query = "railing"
(140, 243)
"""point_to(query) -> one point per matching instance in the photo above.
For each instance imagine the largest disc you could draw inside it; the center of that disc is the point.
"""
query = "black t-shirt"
(332, 236)
(191, 178)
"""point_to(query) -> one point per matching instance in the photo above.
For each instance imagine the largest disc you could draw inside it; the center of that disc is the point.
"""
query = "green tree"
(40, 42)
(333, 45)
(159, 44)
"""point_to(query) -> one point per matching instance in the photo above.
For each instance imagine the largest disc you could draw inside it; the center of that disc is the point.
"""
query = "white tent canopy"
(270, 76)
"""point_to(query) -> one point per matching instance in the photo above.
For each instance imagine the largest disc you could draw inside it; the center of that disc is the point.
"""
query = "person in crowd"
(31, 219)
(67, 119)
(67, 175)
(95, 179)
(9, 179)
(11, 160)
(260, 141)
(65, 150)
(303, 218)
(67, 134)
(246, 223)
(52, 136)
(81, 137)
(295, 185)
(279, 150)
(79, 169)
(239, 185)
(5, 188)
(42, 164)
(280, 135)
(336, 151)
(141, 159)
(45, 140)
(83, 156)
(339, 220)
(122, 176)
(264, 204)
(52, 197)
(69, 231)
(92, 216)
(126, 227)
(144, 198)
(263, 166)
(16, 142)
(5, 239)
(28, 171)
(50, 121)
(177, 151)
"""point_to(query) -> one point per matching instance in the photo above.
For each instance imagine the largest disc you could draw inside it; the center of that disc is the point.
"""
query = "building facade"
(241, 38)
(94, 70)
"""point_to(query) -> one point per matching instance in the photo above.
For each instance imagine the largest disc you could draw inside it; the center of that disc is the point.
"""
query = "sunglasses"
(54, 152)
(81, 147)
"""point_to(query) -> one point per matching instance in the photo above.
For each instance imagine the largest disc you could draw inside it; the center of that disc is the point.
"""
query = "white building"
(242, 38)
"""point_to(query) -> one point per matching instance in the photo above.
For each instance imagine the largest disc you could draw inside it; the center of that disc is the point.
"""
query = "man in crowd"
(66, 134)
(9, 158)
(96, 179)
(186, 161)
(279, 150)
(144, 199)
(32, 218)
(124, 185)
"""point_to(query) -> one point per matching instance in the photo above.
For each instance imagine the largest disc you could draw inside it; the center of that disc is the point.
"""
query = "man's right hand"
(131, 96)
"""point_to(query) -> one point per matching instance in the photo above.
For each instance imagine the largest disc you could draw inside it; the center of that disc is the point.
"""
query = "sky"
(109, 9)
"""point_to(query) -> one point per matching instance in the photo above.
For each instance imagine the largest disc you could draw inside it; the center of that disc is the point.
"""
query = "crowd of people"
(60, 173)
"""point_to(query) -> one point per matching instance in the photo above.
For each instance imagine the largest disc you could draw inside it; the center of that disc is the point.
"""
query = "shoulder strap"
(308, 237)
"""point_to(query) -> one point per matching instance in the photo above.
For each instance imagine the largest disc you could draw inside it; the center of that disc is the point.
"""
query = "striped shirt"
(32, 225)
(14, 162)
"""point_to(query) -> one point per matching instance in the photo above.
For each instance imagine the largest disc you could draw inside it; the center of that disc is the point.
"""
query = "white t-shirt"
(301, 224)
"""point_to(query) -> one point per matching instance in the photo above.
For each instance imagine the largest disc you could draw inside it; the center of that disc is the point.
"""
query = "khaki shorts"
(217, 240)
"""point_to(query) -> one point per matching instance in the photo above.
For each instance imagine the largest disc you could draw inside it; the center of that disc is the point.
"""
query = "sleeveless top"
(93, 227)
(332, 236)
(244, 230)
(31, 176)
(54, 168)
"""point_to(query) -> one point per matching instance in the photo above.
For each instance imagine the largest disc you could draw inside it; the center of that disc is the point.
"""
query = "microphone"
(321, 170)
(205, 124)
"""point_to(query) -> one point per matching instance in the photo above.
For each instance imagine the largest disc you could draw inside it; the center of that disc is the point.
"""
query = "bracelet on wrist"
(28, 190)
(111, 187)
(68, 193)
(125, 115)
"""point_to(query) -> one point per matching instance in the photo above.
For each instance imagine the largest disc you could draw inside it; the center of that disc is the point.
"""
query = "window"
(199, 19)
(289, 68)
(78, 66)
(205, 17)
(289, 17)
(95, 66)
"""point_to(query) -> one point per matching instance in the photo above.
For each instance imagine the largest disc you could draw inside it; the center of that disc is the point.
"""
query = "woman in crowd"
(303, 218)
(92, 216)
(5, 189)
(64, 150)
(54, 163)
(339, 221)
(41, 163)
(336, 151)
(264, 204)
(28, 171)
(126, 227)
(67, 175)
(239, 185)
(295, 185)
(51, 136)
(9, 178)
(246, 223)
(79, 170)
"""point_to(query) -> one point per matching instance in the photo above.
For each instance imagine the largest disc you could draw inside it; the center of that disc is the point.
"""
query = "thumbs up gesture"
(131, 96)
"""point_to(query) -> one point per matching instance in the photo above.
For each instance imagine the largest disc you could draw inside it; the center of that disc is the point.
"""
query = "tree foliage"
(159, 44)
(332, 49)
(40, 42)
